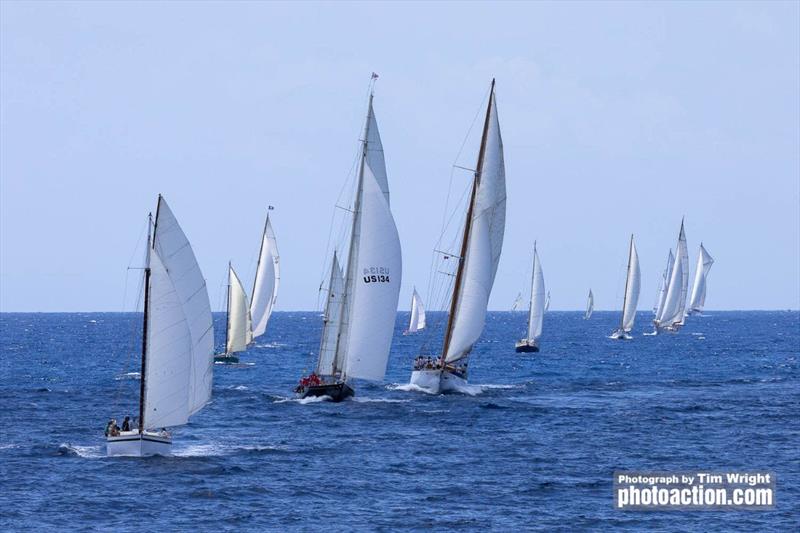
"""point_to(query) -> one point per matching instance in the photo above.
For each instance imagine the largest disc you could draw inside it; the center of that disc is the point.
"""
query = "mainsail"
(632, 284)
(239, 328)
(374, 269)
(698, 299)
(662, 292)
(672, 313)
(480, 245)
(589, 306)
(178, 346)
(417, 321)
(265, 284)
(536, 313)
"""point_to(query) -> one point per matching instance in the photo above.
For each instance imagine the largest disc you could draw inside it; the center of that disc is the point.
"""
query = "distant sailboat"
(266, 281)
(698, 299)
(417, 321)
(238, 326)
(547, 302)
(589, 306)
(662, 291)
(671, 315)
(177, 341)
(518, 302)
(631, 298)
(479, 256)
(536, 311)
(361, 308)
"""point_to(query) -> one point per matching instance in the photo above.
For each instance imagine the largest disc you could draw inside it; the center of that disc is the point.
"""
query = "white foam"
(128, 375)
(88, 452)
(409, 387)
(378, 400)
(304, 401)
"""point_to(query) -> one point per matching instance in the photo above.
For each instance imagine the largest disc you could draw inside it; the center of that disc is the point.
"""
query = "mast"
(627, 280)
(150, 242)
(228, 310)
(467, 231)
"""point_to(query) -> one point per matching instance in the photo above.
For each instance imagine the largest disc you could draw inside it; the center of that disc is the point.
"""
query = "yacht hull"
(335, 391)
(526, 346)
(437, 381)
(226, 359)
(621, 335)
(134, 444)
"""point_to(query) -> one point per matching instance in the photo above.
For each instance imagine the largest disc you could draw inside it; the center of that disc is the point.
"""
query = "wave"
(378, 400)
(128, 375)
(270, 345)
(87, 452)
(409, 387)
(304, 401)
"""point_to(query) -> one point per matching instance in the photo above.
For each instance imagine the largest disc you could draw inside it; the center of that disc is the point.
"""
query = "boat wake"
(216, 450)
(304, 401)
(271, 345)
(409, 387)
(87, 452)
(128, 375)
(378, 400)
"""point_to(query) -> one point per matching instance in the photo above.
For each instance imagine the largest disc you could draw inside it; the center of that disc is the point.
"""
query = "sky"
(617, 118)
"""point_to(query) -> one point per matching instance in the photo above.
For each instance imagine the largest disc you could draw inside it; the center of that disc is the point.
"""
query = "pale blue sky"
(616, 118)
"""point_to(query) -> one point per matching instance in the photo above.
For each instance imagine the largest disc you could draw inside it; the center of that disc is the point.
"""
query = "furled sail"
(331, 322)
(417, 321)
(265, 285)
(662, 292)
(698, 299)
(672, 314)
(485, 227)
(589, 306)
(239, 332)
(632, 284)
(536, 314)
(179, 353)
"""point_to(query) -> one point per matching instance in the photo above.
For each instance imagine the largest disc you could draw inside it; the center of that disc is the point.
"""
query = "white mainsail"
(662, 292)
(547, 302)
(481, 251)
(417, 321)
(589, 306)
(239, 329)
(698, 299)
(374, 269)
(632, 285)
(179, 349)
(331, 322)
(536, 313)
(672, 313)
(265, 284)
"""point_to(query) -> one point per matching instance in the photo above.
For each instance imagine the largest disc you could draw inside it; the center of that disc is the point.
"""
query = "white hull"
(619, 334)
(132, 444)
(437, 381)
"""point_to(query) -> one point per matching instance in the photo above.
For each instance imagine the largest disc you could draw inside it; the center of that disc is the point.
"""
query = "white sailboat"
(662, 290)
(698, 299)
(479, 256)
(266, 281)
(238, 324)
(631, 298)
(671, 314)
(177, 342)
(417, 321)
(361, 307)
(518, 302)
(536, 311)
(589, 306)
(547, 302)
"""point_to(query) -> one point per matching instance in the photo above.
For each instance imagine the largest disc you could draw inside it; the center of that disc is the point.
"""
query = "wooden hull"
(335, 391)
(525, 346)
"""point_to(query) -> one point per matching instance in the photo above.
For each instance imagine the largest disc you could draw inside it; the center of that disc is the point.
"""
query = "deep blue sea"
(534, 451)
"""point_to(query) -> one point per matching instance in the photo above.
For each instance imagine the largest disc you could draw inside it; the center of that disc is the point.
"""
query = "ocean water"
(533, 448)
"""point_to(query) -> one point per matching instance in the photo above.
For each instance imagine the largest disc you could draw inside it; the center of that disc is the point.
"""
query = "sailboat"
(361, 307)
(266, 281)
(479, 256)
(238, 323)
(698, 299)
(662, 291)
(631, 298)
(547, 302)
(671, 314)
(518, 302)
(589, 306)
(417, 321)
(536, 311)
(177, 341)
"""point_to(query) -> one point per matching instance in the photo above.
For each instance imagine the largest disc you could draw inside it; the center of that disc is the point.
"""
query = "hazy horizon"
(617, 118)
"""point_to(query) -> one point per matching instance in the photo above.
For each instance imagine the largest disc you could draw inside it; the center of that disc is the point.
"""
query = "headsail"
(481, 244)
(265, 284)
(177, 374)
(662, 292)
(331, 323)
(417, 321)
(589, 306)
(536, 314)
(632, 284)
(698, 299)
(672, 314)
(239, 328)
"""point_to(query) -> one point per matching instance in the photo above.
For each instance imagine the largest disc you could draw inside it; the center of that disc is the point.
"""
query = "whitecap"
(378, 400)
(87, 452)
(409, 387)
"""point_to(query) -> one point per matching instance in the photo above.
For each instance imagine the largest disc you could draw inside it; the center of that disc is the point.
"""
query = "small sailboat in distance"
(481, 244)
(589, 306)
(266, 281)
(177, 342)
(238, 326)
(361, 307)
(536, 311)
(698, 299)
(417, 321)
(631, 298)
(662, 291)
(671, 314)
(518, 302)
(547, 302)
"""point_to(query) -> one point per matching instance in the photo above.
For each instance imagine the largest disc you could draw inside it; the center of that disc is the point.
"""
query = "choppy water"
(535, 449)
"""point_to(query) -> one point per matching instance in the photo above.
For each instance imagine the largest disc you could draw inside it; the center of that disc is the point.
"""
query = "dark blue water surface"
(534, 450)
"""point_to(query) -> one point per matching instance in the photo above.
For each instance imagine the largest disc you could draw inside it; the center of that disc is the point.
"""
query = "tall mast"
(355, 231)
(228, 310)
(627, 279)
(467, 230)
(150, 242)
